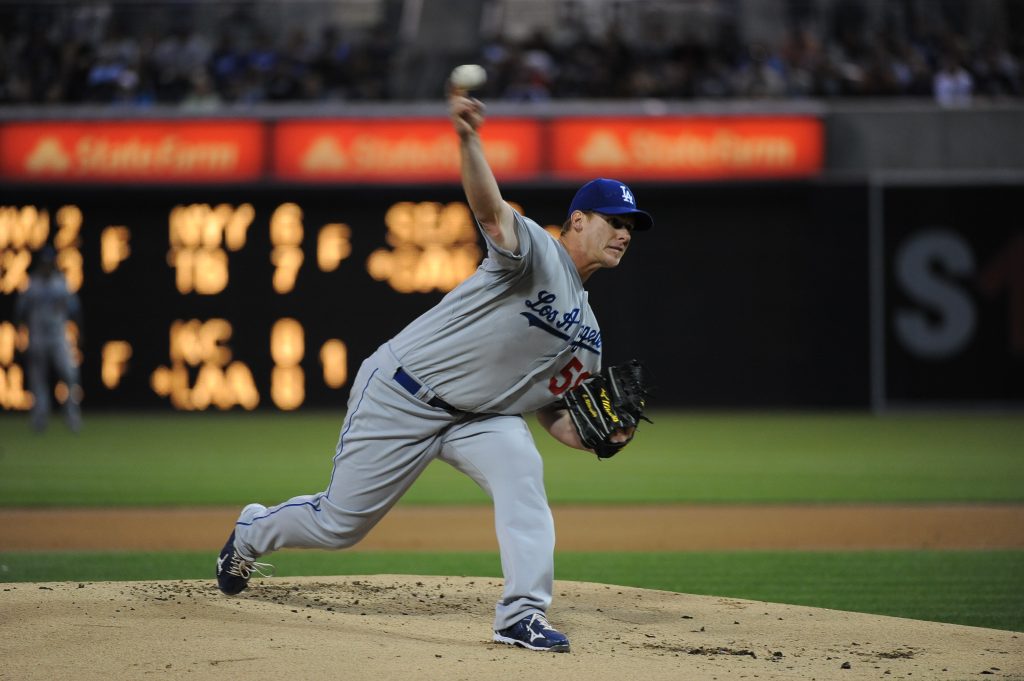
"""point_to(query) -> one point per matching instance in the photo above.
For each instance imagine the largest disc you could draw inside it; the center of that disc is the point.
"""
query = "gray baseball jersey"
(512, 337)
(46, 304)
(450, 386)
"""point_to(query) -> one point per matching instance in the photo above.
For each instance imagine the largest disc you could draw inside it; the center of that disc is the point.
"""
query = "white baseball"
(468, 76)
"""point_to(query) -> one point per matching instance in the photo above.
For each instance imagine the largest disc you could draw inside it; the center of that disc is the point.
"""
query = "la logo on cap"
(611, 197)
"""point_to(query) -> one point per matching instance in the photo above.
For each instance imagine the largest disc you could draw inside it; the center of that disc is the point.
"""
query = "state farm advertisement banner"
(399, 150)
(676, 148)
(132, 151)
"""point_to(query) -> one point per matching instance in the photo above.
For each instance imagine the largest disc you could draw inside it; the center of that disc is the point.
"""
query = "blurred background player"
(46, 306)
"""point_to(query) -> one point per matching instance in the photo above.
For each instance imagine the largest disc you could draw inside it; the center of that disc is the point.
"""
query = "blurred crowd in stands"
(63, 54)
(804, 65)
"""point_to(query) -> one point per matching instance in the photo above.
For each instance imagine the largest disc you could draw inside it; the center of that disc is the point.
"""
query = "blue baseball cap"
(612, 198)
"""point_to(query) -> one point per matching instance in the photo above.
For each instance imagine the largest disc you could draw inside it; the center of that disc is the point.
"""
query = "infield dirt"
(386, 627)
(580, 528)
(411, 627)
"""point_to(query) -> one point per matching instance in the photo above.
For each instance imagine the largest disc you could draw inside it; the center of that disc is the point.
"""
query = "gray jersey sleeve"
(499, 258)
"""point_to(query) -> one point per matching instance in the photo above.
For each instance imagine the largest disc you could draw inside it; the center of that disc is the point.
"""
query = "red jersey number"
(571, 375)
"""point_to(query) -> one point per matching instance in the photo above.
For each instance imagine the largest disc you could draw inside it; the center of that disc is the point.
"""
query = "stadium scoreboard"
(221, 299)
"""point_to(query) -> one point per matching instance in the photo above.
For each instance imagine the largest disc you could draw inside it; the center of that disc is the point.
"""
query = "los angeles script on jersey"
(549, 318)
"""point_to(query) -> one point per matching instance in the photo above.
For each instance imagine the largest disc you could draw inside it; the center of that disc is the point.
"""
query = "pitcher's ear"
(577, 219)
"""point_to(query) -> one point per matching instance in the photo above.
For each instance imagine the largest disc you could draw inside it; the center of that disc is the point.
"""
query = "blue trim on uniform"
(316, 507)
(341, 440)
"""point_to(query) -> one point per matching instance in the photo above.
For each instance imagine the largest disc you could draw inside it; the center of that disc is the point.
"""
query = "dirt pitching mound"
(402, 627)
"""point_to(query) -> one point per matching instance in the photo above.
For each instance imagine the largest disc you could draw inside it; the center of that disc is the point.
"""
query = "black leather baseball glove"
(613, 400)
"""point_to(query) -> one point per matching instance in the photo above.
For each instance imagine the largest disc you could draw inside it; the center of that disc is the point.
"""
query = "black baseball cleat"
(534, 632)
(233, 571)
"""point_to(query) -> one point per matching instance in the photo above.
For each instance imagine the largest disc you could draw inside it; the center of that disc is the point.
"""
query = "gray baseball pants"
(388, 438)
(42, 355)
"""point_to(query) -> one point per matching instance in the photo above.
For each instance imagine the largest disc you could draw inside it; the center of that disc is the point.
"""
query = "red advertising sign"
(132, 151)
(411, 150)
(687, 148)
(399, 150)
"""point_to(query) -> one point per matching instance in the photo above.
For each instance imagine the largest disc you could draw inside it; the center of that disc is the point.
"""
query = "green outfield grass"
(977, 588)
(214, 459)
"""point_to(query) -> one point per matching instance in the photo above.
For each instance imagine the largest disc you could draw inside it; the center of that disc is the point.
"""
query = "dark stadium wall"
(743, 295)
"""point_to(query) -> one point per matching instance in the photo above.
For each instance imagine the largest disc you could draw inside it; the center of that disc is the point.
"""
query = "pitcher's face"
(608, 237)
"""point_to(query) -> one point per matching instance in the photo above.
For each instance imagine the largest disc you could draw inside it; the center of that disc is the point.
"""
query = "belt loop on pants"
(410, 384)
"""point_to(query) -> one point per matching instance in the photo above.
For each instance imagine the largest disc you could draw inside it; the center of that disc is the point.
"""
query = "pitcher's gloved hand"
(608, 403)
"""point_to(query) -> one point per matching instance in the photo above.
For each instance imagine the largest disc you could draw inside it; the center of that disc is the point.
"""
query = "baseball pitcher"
(517, 336)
